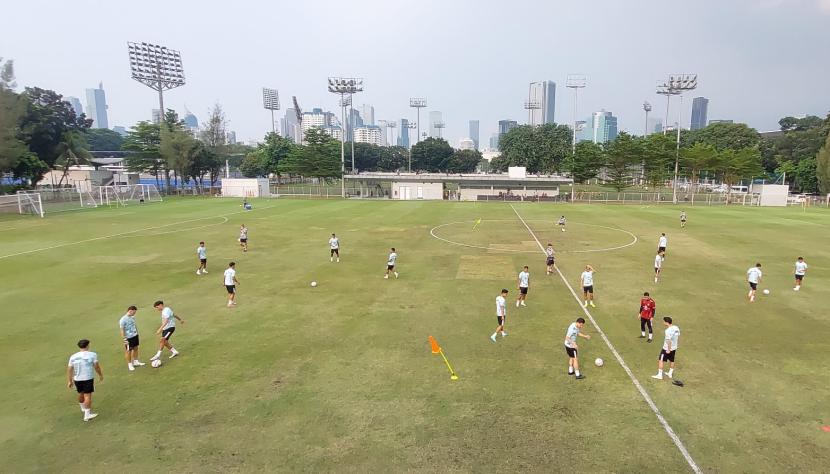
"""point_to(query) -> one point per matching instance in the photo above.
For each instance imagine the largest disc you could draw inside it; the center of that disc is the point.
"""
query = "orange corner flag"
(435, 347)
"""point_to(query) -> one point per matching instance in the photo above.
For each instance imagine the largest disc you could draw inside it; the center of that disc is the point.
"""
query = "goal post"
(121, 195)
(29, 203)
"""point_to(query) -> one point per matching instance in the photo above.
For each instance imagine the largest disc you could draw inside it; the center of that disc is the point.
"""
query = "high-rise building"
(700, 108)
(120, 130)
(603, 127)
(156, 116)
(191, 122)
(466, 144)
(542, 96)
(434, 118)
(355, 120)
(96, 106)
(231, 135)
(76, 105)
(494, 141)
(323, 120)
(655, 125)
(368, 134)
(474, 133)
(289, 126)
(506, 125)
(404, 139)
(368, 114)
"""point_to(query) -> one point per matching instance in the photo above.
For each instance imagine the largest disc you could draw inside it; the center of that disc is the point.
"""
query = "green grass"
(341, 378)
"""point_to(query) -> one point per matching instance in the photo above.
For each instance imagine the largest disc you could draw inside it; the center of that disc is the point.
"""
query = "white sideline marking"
(67, 244)
(645, 395)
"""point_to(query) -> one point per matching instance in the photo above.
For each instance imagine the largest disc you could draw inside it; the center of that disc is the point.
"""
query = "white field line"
(680, 446)
(120, 234)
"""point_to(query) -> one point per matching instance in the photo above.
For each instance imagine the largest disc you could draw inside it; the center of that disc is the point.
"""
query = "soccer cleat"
(338, 260)
(386, 277)
(138, 363)
(592, 304)
(579, 377)
(155, 357)
(396, 274)
(230, 304)
(571, 373)
(658, 377)
(493, 338)
(89, 416)
(585, 304)
(174, 354)
(503, 334)
(642, 337)
(198, 272)
(130, 367)
(523, 303)
(204, 271)
(650, 339)
(669, 374)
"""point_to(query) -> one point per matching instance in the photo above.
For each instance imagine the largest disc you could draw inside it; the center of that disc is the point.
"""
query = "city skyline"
(736, 40)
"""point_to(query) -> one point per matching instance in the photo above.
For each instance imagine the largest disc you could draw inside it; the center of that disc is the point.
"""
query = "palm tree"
(71, 151)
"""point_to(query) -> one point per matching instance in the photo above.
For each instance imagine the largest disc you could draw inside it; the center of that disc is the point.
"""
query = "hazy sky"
(757, 60)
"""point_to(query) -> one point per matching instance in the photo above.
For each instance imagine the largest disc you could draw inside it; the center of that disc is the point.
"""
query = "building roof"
(473, 178)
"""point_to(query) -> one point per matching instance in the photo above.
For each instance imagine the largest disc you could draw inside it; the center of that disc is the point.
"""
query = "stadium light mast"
(575, 82)
(530, 106)
(157, 67)
(678, 84)
(409, 126)
(440, 125)
(343, 86)
(347, 102)
(664, 89)
(392, 125)
(271, 101)
(647, 109)
(418, 103)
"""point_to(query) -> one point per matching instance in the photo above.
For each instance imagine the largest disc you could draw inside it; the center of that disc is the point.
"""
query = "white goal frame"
(29, 203)
(121, 195)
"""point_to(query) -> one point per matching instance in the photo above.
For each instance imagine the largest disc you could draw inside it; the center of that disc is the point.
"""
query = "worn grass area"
(341, 378)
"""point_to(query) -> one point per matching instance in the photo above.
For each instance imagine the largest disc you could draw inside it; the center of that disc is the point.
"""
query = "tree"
(178, 150)
(724, 136)
(319, 158)
(464, 161)
(392, 158)
(14, 154)
(805, 176)
(735, 165)
(72, 151)
(102, 139)
(143, 141)
(214, 135)
(823, 167)
(659, 152)
(586, 162)
(697, 158)
(432, 155)
(623, 153)
(254, 165)
(271, 152)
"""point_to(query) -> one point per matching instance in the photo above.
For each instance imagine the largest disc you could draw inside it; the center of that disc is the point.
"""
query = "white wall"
(245, 187)
(428, 191)
(771, 194)
(471, 194)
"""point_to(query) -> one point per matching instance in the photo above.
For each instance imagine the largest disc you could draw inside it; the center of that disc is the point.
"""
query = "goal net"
(29, 203)
(123, 195)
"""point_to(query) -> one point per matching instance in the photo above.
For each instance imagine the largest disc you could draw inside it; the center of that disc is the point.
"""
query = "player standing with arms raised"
(669, 349)
(167, 328)
(230, 282)
(524, 286)
(390, 264)
(501, 314)
(648, 309)
(243, 237)
(572, 348)
(753, 277)
(586, 280)
(658, 264)
(81, 373)
(800, 271)
(334, 245)
(129, 332)
(201, 251)
(549, 261)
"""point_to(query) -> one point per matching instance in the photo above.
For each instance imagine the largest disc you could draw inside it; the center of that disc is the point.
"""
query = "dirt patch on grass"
(124, 258)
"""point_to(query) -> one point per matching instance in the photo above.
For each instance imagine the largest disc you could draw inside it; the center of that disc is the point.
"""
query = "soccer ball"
(599, 362)
(313, 284)
(156, 363)
(766, 291)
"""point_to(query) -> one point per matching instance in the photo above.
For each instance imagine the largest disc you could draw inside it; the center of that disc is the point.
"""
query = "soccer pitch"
(341, 378)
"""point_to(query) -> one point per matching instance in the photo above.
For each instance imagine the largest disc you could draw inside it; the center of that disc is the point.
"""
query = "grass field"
(340, 377)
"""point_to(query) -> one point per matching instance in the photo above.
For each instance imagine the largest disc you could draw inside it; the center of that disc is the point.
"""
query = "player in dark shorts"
(549, 260)
(80, 373)
(669, 349)
(243, 237)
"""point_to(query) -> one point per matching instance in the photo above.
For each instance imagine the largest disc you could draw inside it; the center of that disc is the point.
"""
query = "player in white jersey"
(682, 219)
(501, 314)
(390, 263)
(80, 373)
(129, 333)
(524, 285)
(334, 245)
(661, 244)
(658, 264)
(167, 328)
(243, 237)
(800, 271)
(586, 280)
(549, 258)
(753, 276)
(230, 282)
(561, 223)
(201, 251)
(669, 349)
(572, 348)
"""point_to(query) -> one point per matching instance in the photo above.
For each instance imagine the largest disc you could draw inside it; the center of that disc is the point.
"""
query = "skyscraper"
(474, 132)
(506, 125)
(494, 141)
(288, 125)
(404, 140)
(76, 105)
(96, 107)
(603, 127)
(434, 118)
(542, 94)
(368, 114)
(191, 122)
(700, 108)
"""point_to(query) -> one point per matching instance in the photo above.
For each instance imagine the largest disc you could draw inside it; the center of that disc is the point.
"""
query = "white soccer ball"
(766, 291)
(599, 362)
(156, 363)
(313, 284)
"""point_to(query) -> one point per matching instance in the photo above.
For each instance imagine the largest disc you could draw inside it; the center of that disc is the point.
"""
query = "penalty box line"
(677, 442)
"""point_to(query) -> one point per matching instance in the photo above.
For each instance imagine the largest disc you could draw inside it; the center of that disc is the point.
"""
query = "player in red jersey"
(647, 311)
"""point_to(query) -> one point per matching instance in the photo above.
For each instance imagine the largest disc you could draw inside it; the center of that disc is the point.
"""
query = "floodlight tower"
(575, 82)
(157, 67)
(678, 84)
(647, 109)
(666, 90)
(532, 105)
(391, 124)
(409, 126)
(439, 126)
(271, 101)
(343, 86)
(418, 103)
